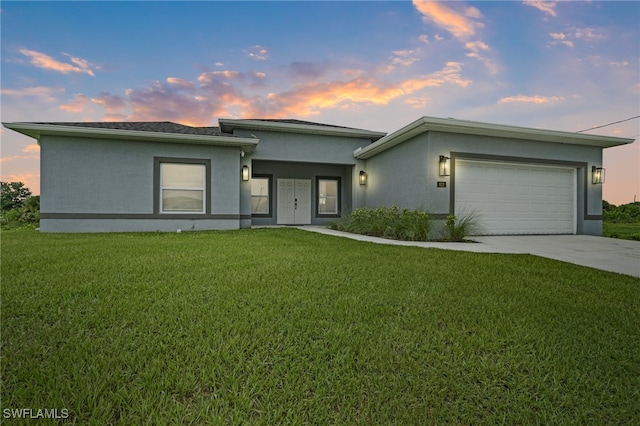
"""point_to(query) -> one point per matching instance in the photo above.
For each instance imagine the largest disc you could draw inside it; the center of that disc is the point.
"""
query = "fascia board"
(450, 125)
(298, 128)
(391, 140)
(37, 130)
(527, 133)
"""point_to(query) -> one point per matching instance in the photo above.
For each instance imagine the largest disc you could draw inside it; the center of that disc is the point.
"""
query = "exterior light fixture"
(363, 177)
(597, 175)
(245, 173)
(444, 166)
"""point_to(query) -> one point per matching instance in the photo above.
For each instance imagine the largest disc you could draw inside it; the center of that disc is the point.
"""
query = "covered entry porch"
(298, 193)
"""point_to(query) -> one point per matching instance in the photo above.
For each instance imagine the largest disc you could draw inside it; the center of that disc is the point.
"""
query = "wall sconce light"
(597, 175)
(444, 166)
(363, 177)
(245, 173)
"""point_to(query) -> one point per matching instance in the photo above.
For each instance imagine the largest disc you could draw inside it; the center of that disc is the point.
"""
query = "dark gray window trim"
(142, 216)
(339, 196)
(525, 160)
(270, 177)
(156, 185)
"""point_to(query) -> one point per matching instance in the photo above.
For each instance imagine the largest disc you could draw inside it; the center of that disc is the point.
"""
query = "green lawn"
(282, 326)
(627, 231)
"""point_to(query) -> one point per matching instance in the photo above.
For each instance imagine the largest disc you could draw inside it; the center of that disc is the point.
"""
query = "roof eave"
(228, 124)
(36, 131)
(449, 125)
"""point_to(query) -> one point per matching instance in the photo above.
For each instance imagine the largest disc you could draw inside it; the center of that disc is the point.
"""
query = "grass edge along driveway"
(272, 326)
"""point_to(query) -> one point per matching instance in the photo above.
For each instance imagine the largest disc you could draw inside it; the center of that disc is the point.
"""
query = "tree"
(13, 195)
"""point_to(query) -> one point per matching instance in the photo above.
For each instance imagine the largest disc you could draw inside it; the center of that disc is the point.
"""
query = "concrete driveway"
(608, 254)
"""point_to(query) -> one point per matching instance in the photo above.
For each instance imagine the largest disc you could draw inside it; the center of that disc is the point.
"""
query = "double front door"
(294, 201)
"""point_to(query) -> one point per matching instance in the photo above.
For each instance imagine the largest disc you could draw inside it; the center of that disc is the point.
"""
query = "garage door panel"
(513, 198)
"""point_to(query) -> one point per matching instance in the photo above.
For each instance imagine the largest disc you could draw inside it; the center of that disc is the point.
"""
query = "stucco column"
(245, 192)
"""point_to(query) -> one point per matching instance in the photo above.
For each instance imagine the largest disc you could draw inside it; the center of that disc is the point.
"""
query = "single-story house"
(149, 176)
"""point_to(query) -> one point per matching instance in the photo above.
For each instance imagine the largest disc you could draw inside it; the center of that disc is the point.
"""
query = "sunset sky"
(562, 65)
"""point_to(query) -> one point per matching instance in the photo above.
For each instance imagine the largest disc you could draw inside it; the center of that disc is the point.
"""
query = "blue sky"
(375, 65)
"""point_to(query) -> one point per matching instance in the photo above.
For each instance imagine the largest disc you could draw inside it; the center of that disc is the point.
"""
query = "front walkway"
(608, 254)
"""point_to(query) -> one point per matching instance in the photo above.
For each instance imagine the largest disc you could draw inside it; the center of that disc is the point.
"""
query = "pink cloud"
(114, 106)
(547, 7)
(43, 61)
(184, 84)
(214, 94)
(310, 99)
(404, 58)
(257, 52)
(450, 74)
(30, 180)
(587, 33)
(475, 48)
(460, 23)
(161, 102)
(47, 93)
(560, 38)
(78, 104)
(11, 158)
(34, 147)
(417, 102)
(228, 93)
(531, 99)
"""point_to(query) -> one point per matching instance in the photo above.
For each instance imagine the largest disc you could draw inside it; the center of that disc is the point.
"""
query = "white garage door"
(513, 198)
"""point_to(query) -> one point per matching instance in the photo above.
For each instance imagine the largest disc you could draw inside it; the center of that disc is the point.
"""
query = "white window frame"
(159, 187)
(325, 197)
(266, 197)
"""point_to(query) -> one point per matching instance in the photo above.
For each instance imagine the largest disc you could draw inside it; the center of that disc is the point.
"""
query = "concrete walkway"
(608, 254)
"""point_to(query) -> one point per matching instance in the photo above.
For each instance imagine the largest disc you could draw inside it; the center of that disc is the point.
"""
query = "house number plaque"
(442, 184)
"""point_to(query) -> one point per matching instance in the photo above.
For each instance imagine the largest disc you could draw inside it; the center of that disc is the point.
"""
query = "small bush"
(27, 215)
(458, 228)
(387, 222)
(625, 213)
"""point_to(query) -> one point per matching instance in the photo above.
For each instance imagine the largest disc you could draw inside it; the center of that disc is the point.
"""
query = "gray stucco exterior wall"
(103, 179)
(303, 147)
(100, 185)
(283, 155)
(407, 174)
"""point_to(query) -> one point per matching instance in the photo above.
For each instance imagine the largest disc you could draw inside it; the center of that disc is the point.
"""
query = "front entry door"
(294, 201)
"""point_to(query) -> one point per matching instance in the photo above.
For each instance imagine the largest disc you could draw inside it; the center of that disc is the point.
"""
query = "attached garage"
(517, 198)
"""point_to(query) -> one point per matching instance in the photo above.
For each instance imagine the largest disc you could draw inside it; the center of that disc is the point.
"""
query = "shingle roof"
(147, 126)
(301, 122)
(293, 125)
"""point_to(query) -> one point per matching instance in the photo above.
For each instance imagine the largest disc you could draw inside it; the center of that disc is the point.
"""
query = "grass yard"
(627, 231)
(282, 326)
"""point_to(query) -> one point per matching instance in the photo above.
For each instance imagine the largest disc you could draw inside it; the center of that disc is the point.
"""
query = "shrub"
(27, 215)
(387, 222)
(457, 228)
(625, 213)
